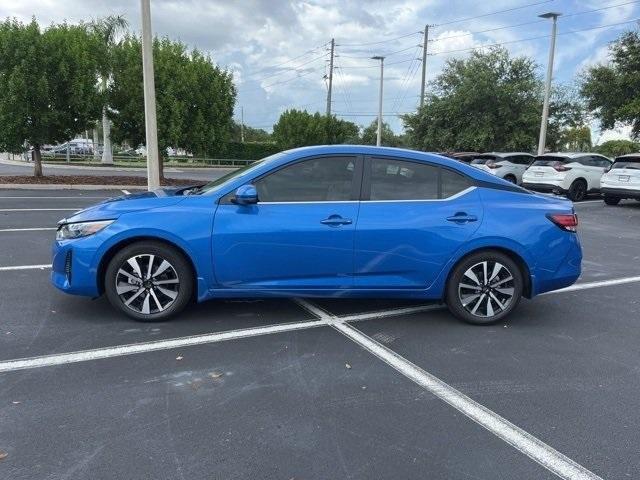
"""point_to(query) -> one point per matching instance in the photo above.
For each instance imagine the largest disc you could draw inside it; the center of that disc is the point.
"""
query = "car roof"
(507, 154)
(570, 154)
(628, 155)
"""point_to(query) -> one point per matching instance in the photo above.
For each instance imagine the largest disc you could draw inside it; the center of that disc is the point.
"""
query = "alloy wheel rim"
(486, 289)
(147, 284)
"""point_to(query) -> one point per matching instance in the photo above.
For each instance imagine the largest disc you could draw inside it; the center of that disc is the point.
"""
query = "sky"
(278, 50)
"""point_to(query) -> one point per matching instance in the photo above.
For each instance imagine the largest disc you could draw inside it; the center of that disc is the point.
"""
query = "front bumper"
(621, 192)
(72, 267)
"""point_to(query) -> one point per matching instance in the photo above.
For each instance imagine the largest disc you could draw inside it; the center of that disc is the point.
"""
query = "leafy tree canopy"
(298, 128)
(250, 134)
(613, 91)
(615, 148)
(489, 101)
(48, 84)
(389, 139)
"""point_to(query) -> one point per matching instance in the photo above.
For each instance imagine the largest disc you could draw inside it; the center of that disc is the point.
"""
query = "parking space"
(377, 389)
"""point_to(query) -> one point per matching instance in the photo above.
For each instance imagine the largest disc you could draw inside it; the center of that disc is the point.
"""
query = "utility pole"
(330, 90)
(547, 86)
(153, 161)
(379, 138)
(424, 63)
(241, 124)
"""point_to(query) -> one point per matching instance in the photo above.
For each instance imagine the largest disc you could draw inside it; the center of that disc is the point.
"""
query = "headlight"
(68, 231)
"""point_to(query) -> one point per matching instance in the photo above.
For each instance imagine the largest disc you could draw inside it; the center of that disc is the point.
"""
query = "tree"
(106, 30)
(250, 134)
(615, 148)
(487, 102)
(48, 84)
(194, 98)
(612, 91)
(370, 135)
(576, 139)
(298, 128)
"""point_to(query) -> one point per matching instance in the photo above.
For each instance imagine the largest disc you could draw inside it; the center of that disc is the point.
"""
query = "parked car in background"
(464, 157)
(622, 180)
(571, 174)
(510, 166)
(331, 221)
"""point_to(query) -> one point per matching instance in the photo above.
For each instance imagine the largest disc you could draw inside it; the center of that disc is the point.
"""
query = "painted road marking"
(126, 192)
(526, 443)
(598, 284)
(27, 229)
(143, 347)
(25, 267)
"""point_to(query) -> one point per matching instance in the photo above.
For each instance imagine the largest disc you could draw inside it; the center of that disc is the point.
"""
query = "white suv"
(622, 180)
(509, 166)
(571, 174)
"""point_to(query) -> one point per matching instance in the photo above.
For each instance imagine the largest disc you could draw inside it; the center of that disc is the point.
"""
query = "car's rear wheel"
(577, 191)
(484, 288)
(511, 178)
(149, 281)
(609, 200)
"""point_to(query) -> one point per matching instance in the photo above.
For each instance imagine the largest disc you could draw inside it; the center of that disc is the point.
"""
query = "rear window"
(482, 159)
(547, 161)
(627, 162)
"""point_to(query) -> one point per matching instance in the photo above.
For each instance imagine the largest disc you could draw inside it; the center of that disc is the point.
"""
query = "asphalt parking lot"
(289, 389)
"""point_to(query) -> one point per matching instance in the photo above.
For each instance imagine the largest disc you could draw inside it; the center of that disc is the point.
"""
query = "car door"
(521, 163)
(300, 233)
(413, 217)
(591, 171)
(601, 164)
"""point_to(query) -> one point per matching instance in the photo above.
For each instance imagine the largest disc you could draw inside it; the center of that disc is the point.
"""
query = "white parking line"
(27, 229)
(38, 209)
(126, 192)
(601, 283)
(526, 443)
(121, 350)
(25, 267)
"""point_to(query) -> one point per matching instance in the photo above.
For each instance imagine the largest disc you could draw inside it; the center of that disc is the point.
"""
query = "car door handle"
(462, 217)
(336, 221)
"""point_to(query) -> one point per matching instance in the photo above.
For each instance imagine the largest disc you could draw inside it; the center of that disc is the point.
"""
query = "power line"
(290, 60)
(583, 12)
(535, 38)
(378, 42)
(290, 69)
(493, 13)
(282, 81)
(368, 56)
(378, 66)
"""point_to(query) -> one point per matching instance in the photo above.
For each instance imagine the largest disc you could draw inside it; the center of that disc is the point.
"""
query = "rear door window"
(403, 180)
(452, 183)
(482, 159)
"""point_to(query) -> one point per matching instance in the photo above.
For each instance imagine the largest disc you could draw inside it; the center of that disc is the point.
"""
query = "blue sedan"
(327, 221)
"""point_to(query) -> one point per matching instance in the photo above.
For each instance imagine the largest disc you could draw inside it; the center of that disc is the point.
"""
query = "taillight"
(558, 167)
(492, 164)
(566, 221)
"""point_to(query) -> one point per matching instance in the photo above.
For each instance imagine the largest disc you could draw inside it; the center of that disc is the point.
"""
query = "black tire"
(493, 291)
(609, 200)
(577, 191)
(511, 178)
(171, 287)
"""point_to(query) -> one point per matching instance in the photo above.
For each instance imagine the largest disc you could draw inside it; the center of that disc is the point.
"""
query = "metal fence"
(137, 161)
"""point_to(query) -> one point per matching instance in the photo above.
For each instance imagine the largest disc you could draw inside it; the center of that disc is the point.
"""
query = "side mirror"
(246, 195)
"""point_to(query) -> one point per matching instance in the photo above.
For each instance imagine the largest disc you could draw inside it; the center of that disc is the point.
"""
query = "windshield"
(548, 161)
(482, 159)
(627, 162)
(218, 183)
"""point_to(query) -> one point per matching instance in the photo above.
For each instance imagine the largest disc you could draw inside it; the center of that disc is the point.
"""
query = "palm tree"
(107, 29)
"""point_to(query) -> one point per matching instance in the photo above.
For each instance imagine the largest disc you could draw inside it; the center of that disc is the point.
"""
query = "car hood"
(114, 207)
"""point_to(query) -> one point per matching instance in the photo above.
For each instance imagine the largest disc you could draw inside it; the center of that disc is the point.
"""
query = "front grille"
(67, 266)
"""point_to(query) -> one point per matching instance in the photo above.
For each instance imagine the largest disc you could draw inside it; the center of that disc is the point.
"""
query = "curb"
(66, 186)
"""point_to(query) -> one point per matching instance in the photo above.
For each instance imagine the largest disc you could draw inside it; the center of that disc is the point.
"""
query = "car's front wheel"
(149, 281)
(484, 288)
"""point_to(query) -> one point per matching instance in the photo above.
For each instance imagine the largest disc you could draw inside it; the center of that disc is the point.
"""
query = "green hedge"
(247, 151)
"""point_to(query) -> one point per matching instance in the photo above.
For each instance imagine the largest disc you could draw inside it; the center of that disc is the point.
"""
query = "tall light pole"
(151, 126)
(547, 87)
(379, 139)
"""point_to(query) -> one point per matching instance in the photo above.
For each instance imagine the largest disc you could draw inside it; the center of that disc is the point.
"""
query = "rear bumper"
(566, 273)
(621, 192)
(543, 187)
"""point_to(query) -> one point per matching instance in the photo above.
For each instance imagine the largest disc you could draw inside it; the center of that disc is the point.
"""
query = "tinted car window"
(402, 180)
(482, 159)
(452, 182)
(627, 162)
(549, 161)
(315, 180)
(523, 159)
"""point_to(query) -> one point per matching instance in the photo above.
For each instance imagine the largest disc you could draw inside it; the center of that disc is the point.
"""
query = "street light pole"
(379, 138)
(151, 126)
(547, 87)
